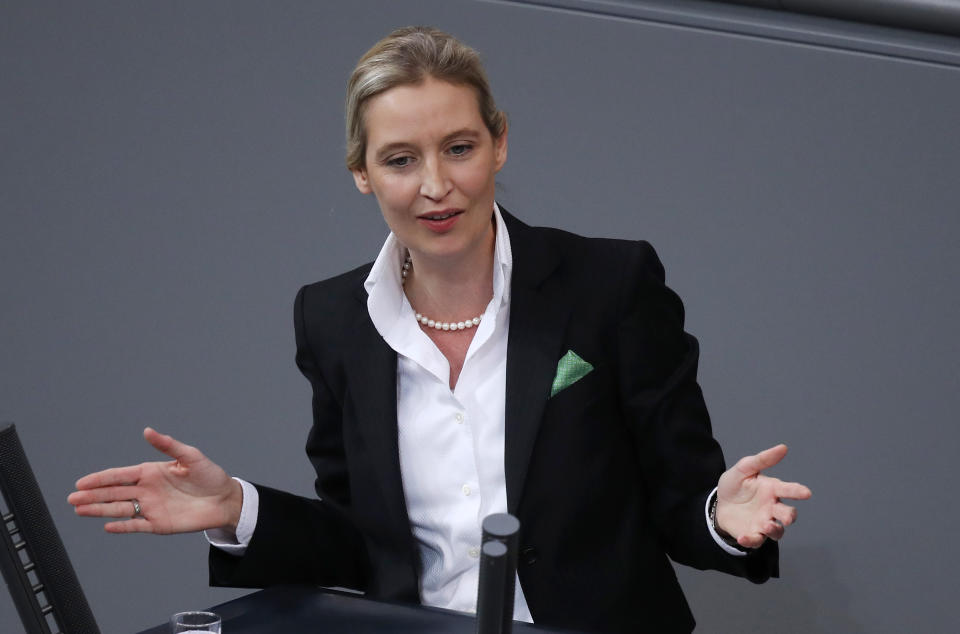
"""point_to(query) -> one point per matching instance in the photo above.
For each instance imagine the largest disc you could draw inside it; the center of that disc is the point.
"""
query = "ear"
(361, 181)
(500, 150)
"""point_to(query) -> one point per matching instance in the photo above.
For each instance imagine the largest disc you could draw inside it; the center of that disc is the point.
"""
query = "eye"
(460, 149)
(399, 161)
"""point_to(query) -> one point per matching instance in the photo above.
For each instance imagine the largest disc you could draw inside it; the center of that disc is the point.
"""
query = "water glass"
(195, 623)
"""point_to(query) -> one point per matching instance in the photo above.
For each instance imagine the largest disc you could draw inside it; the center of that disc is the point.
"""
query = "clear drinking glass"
(195, 623)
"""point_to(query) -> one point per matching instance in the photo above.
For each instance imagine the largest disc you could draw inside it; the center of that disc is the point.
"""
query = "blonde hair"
(408, 56)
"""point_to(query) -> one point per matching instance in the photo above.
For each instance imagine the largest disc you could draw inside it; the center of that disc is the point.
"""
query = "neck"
(452, 291)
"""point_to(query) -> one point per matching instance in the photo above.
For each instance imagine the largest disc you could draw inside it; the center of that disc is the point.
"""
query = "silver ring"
(136, 508)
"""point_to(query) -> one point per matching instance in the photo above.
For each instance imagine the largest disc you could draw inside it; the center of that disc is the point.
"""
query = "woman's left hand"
(748, 503)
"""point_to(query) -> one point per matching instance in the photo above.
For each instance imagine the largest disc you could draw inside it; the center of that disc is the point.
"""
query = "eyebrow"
(399, 145)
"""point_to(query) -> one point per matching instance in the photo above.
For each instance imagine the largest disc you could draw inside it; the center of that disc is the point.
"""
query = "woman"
(477, 366)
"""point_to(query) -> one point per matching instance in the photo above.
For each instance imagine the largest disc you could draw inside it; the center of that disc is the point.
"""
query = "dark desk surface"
(298, 609)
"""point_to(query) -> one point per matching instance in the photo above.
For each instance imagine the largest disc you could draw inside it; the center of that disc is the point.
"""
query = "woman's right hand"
(188, 493)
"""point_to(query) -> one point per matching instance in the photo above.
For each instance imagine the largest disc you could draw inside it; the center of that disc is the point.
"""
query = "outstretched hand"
(748, 503)
(189, 493)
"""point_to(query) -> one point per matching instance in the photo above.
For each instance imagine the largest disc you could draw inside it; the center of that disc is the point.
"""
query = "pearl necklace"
(432, 323)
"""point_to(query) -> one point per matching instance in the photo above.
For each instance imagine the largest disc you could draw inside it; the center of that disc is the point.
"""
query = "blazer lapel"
(373, 381)
(539, 312)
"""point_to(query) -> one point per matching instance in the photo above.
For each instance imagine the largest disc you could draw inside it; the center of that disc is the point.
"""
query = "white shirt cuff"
(713, 532)
(236, 544)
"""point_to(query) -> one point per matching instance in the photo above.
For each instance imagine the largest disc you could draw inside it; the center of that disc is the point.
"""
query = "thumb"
(169, 445)
(752, 465)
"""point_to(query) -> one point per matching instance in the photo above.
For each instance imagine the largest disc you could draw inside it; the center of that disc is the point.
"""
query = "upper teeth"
(443, 217)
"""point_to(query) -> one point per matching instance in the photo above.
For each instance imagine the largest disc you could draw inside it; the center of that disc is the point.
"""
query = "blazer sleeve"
(298, 539)
(680, 460)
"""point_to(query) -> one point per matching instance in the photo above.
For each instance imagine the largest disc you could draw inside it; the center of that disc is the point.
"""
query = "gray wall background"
(171, 172)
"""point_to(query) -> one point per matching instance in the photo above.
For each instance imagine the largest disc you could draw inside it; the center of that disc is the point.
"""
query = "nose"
(434, 184)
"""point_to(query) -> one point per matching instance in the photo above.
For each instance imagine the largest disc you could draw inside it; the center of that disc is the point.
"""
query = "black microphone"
(499, 528)
(490, 592)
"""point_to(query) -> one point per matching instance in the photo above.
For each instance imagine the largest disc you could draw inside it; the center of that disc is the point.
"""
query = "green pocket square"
(570, 369)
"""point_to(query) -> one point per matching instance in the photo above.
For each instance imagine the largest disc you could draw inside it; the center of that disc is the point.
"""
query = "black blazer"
(609, 477)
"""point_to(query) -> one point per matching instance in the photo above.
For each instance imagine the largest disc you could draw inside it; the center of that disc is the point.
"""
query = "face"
(431, 163)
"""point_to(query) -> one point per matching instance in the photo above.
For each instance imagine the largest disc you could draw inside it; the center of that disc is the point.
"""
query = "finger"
(784, 513)
(109, 477)
(171, 446)
(137, 525)
(792, 491)
(110, 509)
(752, 465)
(105, 494)
(754, 540)
(773, 530)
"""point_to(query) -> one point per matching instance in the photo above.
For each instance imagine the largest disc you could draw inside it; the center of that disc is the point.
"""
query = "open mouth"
(441, 215)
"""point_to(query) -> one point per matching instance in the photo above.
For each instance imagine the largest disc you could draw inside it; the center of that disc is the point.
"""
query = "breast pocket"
(582, 394)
